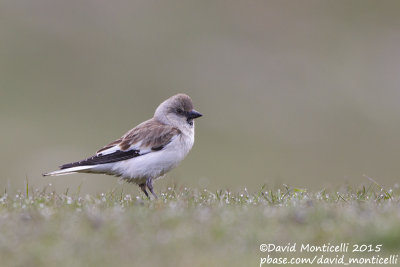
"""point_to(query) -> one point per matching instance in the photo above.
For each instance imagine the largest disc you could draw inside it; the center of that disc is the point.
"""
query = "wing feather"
(149, 136)
(102, 159)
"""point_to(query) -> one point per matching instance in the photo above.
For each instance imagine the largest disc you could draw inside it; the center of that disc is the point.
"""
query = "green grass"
(189, 227)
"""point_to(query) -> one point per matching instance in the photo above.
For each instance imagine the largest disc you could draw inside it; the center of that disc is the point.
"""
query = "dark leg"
(143, 187)
(149, 183)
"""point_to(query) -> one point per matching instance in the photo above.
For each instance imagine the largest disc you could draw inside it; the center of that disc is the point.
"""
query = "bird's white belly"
(153, 164)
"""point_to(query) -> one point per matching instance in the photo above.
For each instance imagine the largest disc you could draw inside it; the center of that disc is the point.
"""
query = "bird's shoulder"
(150, 135)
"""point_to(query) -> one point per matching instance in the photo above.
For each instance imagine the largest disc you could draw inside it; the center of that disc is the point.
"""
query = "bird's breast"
(186, 140)
(156, 163)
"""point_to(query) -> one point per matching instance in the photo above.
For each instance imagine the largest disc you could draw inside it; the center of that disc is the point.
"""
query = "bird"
(149, 150)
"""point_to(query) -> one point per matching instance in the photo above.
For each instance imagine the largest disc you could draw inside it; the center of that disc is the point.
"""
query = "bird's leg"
(149, 183)
(143, 187)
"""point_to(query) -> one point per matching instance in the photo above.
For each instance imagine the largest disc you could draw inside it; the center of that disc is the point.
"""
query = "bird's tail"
(69, 171)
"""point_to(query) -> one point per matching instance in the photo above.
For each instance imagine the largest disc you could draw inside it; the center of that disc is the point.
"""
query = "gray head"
(177, 111)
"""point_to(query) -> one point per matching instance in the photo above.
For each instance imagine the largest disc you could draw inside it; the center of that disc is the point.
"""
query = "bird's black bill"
(193, 114)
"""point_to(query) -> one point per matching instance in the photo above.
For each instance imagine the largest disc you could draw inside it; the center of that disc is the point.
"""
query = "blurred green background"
(303, 93)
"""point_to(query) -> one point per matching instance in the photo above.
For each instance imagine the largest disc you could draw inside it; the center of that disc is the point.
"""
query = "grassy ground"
(190, 227)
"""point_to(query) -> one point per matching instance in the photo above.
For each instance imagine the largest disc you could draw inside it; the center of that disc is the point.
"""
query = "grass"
(189, 227)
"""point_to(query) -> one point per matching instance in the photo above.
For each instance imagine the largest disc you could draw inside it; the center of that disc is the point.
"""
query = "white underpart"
(152, 164)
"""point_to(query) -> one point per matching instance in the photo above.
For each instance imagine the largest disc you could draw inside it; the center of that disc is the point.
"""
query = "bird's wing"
(148, 137)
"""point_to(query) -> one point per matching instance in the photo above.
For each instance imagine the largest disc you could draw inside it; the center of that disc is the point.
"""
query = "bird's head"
(177, 111)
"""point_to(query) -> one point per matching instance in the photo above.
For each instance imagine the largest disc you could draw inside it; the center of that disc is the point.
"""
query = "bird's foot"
(143, 187)
(149, 184)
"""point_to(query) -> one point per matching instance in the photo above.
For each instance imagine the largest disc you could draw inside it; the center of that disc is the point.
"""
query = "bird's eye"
(179, 111)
